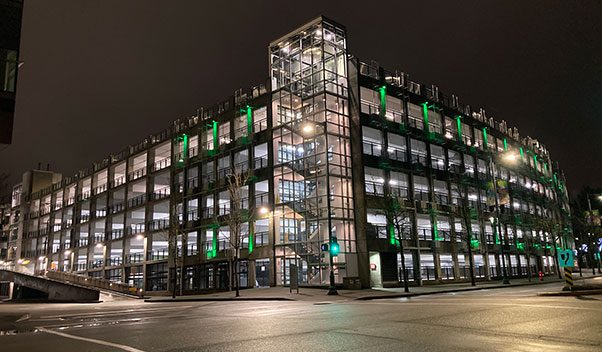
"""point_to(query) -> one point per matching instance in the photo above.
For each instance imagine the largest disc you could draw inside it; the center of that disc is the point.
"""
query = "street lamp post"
(593, 247)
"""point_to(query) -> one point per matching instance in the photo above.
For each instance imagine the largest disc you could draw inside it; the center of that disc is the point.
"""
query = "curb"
(218, 299)
(575, 293)
(475, 288)
(163, 299)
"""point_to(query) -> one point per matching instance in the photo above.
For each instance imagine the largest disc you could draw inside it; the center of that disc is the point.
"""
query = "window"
(397, 147)
(240, 127)
(262, 193)
(437, 157)
(223, 167)
(241, 161)
(415, 118)
(500, 144)
(435, 122)
(260, 156)
(394, 110)
(450, 129)
(370, 101)
(224, 133)
(478, 139)
(372, 141)
(421, 188)
(398, 184)
(289, 230)
(482, 168)
(223, 238)
(374, 181)
(418, 151)
(156, 277)
(469, 164)
(440, 191)
(208, 173)
(286, 152)
(291, 190)
(424, 227)
(261, 232)
(378, 222)
(209, 143)
(466, 134)
(455, 161)
(223, 203)
(244, 235)
(260, 119)
(207, 207)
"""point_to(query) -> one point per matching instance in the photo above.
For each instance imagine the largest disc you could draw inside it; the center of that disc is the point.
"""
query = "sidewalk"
(319, 294)
(587, 285)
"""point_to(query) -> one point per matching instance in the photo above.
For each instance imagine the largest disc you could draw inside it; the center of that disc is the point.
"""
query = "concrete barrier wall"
(89, 281)
(56, 290)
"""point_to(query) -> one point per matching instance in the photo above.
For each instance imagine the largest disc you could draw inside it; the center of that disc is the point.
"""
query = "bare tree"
(461, 187)
(174, 232)
(399, 215)
(586, 229)
(239, 214)
(553, 229)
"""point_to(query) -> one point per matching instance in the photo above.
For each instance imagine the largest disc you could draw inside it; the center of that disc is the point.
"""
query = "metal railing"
(260, 162)
(372, 148)
(397, 154)
(374, 188)
(157, 254)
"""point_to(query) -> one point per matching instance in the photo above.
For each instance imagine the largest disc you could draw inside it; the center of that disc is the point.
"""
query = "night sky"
(99, 75)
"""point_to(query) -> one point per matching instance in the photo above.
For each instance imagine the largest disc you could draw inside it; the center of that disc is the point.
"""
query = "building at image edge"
(329, 144)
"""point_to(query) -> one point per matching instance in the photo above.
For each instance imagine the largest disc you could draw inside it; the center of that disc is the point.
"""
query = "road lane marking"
(98, 342)
(23, 318)
(108, 312)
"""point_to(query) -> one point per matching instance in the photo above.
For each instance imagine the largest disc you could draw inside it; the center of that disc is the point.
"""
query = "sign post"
(567, 261)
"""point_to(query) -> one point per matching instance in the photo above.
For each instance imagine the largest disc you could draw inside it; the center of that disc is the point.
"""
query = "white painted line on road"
(109, 312)
(23, 318)
(99, 342)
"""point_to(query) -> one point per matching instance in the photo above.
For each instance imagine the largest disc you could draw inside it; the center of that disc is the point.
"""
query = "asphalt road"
(511, 319)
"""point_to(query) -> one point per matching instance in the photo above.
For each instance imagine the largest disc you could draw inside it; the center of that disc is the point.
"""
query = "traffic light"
(334, 247)
(324, 247)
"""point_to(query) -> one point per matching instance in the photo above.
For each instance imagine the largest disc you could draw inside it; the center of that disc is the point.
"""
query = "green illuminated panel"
(505, 144)
(522, 153)
(474, 243)
(251, 240)
(459, 127)
(214, 244)
(182, 154)
(184, 147)
(249, 120)
(215, 140)
(425, 116)
(391, 234)
(383, 100)
(485, 143)
(435, 227)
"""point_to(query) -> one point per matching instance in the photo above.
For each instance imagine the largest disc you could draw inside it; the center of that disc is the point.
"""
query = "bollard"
(540, 275)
